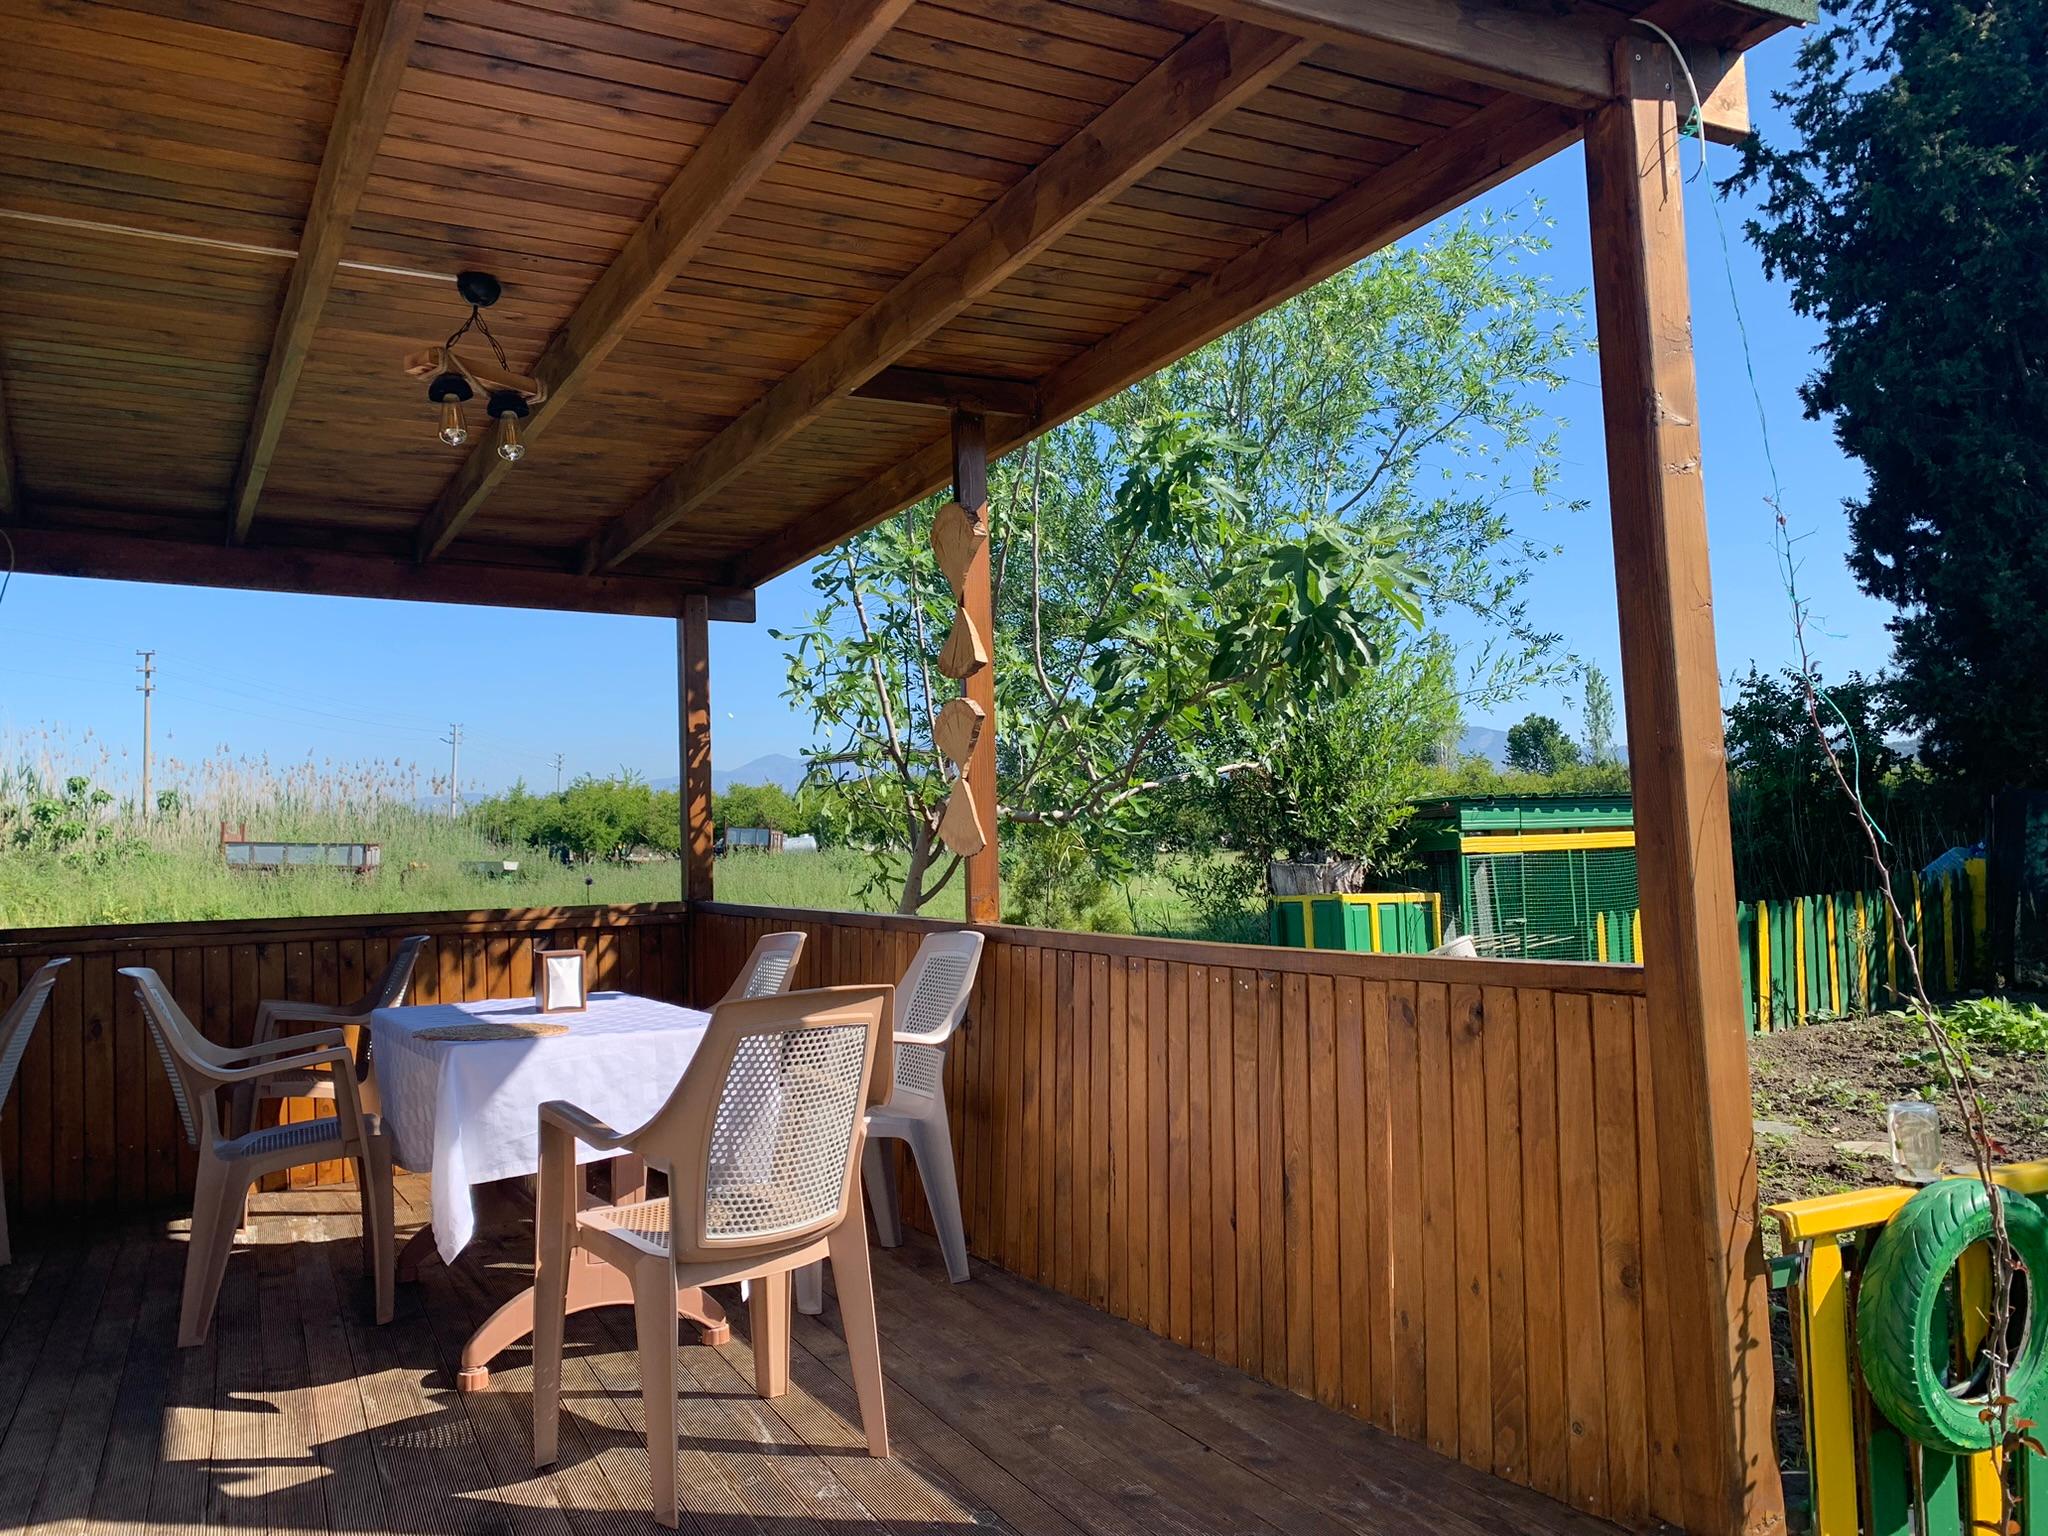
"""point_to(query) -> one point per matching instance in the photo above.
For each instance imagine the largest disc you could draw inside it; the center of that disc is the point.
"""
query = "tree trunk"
(913, 877)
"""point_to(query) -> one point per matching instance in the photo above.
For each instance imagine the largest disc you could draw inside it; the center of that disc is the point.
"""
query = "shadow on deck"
(1010, 1408)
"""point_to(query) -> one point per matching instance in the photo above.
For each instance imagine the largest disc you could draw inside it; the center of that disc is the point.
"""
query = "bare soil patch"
(1822, 1087)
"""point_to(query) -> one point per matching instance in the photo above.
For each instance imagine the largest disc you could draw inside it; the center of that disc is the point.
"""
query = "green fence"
(1840, 952)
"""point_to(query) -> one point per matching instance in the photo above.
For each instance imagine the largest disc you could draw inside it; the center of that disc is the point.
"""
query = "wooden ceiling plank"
(376, 67)
(799, 75)
(1498, 142)
(1208, 77)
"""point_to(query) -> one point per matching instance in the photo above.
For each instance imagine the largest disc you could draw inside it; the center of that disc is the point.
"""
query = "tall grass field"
(75, 854)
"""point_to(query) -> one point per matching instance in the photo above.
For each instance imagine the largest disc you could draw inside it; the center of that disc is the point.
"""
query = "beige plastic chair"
(16, 1025)
(769, 969)
(228, 1166)
(932, 1000)
(761, 1141)
(388, 991)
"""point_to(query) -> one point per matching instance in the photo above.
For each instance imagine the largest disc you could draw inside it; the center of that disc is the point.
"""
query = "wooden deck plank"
(1013, 1408)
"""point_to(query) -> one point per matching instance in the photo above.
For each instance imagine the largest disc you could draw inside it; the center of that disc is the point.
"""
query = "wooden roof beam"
(1498, 142)
(117, 556)
(953, 392)
(376, 65)
(806, 66)
(1560, 53)
(10, 490)
(1206, 78)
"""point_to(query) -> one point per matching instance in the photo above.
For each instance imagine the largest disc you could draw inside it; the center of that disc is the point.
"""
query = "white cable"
(1699, 105)
(235, 247)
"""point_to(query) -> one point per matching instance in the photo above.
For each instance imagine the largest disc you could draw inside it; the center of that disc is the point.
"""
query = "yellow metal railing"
(1864, 1478)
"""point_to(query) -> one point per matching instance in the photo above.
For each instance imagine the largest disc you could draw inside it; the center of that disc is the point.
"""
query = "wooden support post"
(1711, 1255)
(970, 489)
(693, 720)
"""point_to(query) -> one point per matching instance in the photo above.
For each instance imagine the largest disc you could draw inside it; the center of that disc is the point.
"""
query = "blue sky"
(283, 676)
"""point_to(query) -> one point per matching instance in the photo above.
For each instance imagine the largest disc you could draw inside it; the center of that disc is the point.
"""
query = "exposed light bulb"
(510, 449)
(453, 432)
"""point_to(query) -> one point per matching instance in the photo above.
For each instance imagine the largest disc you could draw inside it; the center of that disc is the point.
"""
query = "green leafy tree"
(1540, 745)
(757, 805)
(1596, 714)
(1794, 833)
(1192, 571)
(1909, 215)
(591, 819)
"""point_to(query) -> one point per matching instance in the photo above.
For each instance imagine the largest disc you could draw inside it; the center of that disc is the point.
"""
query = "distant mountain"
(1484, 741)
(776, 768)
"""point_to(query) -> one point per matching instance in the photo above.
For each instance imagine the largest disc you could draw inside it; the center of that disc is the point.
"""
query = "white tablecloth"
(468, 1111)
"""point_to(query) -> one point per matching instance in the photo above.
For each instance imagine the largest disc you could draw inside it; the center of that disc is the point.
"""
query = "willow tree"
(1189, 576)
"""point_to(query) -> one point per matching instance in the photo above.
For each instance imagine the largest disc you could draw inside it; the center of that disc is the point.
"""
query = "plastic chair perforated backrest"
(19, 1021)
(759, 1138)
(180, 1045)
(770, 967)
(931, 1001)
(391, 987)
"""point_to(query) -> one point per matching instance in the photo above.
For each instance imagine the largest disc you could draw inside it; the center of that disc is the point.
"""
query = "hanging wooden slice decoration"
(960, 822)
(955, 538)
(957, 730)
(966, 653)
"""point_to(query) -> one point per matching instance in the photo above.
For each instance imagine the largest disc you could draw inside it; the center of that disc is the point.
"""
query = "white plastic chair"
(16, 1025)
(387, 991)
(760, 1142)
(932, 999)
(770, 968)
(228, 1166)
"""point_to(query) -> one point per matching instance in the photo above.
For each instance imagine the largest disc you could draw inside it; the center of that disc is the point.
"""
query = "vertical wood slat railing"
(90, 1122)
(1423, 1191)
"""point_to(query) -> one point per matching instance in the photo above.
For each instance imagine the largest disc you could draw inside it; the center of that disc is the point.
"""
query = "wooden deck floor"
(1010, 1408)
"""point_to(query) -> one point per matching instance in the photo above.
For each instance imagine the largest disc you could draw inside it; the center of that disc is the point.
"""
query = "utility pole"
(147, 688)
(558, 773)
(454, 740)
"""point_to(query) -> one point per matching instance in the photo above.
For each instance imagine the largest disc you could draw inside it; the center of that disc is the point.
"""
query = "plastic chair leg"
(810, 1289)
(849, 1248)
(218, 1197)
(878, 1173)
(654, 1317)
(931, 1143)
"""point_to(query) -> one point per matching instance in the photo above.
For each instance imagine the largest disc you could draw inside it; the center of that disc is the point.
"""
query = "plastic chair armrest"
(586, 1128)
(333, 1056)
(313, 1040)
(274, 1011)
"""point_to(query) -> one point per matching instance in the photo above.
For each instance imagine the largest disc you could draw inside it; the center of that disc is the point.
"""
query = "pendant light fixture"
(507, 407)
(448, 391)
(509, 397)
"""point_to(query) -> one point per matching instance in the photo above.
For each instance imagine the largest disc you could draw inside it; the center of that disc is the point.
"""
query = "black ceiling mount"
(478, 288)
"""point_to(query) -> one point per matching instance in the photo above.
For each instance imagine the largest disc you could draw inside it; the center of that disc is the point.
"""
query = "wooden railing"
(90, 1123)
(1421, 1190)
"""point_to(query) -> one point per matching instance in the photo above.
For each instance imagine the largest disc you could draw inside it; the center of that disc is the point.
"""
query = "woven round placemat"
(492, 1029)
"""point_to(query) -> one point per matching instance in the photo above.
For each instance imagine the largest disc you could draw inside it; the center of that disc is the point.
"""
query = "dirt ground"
(1822, 1088)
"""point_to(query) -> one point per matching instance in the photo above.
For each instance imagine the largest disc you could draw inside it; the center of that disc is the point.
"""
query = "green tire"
(1904, 1344)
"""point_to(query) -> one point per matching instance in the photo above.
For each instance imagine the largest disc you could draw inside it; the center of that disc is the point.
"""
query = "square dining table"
(467, 1112)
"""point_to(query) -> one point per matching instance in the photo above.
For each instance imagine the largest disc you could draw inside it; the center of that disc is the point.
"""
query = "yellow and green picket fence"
(1861, 1476)
(1840, 952)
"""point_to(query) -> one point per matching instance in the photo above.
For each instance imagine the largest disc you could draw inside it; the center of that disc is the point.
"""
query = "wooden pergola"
(781, 269)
